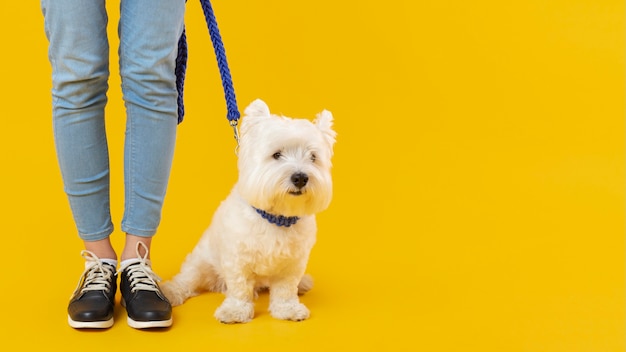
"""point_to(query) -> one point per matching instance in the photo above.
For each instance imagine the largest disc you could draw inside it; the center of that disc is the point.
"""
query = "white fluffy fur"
(242, 252)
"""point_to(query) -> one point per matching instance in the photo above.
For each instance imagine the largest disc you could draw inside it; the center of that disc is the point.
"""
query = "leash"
(222, 63)
(229, 92)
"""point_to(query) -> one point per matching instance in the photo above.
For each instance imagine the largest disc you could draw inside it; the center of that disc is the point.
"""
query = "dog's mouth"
(296, 193)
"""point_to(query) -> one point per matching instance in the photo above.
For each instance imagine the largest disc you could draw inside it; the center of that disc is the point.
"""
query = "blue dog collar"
(278, 220)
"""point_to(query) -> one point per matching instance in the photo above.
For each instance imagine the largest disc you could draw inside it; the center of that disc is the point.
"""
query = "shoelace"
(140, 274)
(96, 276)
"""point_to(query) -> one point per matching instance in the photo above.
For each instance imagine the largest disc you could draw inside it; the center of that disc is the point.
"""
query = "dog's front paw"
(289, 310)
(235, 310)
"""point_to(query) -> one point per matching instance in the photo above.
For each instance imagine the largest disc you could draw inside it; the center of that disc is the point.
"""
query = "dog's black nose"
(299, 179)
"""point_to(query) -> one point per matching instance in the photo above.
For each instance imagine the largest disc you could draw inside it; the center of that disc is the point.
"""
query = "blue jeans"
(149, 31)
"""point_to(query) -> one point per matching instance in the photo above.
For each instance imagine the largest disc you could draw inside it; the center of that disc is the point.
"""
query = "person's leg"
(79, 55)
(149, 33)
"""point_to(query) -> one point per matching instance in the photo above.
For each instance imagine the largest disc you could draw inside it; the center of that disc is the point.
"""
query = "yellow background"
(479, 176)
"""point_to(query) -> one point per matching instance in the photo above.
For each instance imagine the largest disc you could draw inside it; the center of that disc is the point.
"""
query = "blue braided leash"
(220, 53)
(180, 70)
(229, 91)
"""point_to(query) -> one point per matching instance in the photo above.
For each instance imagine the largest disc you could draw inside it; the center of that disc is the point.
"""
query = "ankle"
(133, 249)
(101, 248)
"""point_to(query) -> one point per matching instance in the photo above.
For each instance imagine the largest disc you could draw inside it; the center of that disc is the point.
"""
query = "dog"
(262, 234)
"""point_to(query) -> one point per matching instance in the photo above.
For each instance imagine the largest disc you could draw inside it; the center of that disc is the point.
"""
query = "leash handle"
(222, 63)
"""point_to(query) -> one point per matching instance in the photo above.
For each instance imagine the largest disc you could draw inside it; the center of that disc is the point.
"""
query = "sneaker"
(91, 305)
(145, 304)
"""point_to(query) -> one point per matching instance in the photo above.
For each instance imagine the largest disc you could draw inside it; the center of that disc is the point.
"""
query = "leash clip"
(233, 124)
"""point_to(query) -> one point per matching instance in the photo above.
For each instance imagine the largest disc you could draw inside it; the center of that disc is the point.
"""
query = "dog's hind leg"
(195, 277)
(305, 285)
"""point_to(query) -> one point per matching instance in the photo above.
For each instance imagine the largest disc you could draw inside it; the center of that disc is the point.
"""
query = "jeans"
(149, 31)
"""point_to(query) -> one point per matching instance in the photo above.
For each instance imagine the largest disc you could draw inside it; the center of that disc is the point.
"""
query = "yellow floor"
(479, 176)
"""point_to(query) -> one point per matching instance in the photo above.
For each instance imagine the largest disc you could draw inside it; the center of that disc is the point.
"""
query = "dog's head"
(284, 163)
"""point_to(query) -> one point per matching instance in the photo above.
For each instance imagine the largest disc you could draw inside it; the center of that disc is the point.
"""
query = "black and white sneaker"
(145, 304)
(92, 303)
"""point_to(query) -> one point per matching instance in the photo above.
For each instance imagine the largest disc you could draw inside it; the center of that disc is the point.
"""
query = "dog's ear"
(257, 108)
(324, 122)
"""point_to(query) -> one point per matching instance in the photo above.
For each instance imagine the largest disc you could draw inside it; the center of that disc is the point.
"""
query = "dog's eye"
(276, 155)
(313, 157)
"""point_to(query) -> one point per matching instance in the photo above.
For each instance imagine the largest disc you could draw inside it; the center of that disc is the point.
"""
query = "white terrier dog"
(262, 234)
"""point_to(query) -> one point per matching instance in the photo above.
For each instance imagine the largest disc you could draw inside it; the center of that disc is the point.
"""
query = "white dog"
(262, 234)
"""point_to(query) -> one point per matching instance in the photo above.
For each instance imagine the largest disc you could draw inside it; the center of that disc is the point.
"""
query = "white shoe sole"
(149, 324)
(104, 324)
